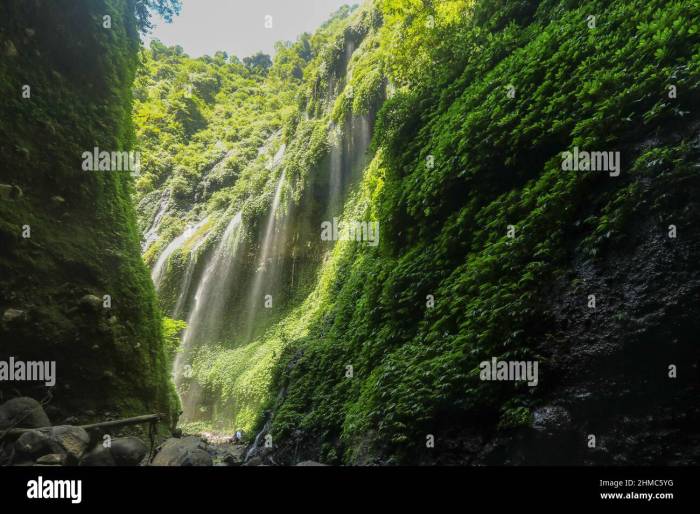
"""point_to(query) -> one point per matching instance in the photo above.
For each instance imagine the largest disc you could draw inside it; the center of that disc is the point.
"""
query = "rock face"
(23, 412)
(94, 252)
(189, 451)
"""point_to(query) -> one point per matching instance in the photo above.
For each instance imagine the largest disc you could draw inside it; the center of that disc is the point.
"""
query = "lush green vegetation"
(84, 240)
(221, 166)
(444, 122)
(444, 230)
(471, 104)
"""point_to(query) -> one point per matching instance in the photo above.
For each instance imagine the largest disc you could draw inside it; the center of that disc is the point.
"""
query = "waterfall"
(151, 234)
(175, 244)
(186, 282)
(335, 181)
(209, 303)
(277, 158)
(222, 302)
(347, 157)
(264, 272)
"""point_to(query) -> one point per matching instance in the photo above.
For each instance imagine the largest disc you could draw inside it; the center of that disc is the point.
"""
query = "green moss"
(86, 241)
(444, 229)
(455, 161)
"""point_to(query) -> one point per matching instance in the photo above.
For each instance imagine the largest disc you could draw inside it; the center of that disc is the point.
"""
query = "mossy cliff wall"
(65, 79)
(489, 247)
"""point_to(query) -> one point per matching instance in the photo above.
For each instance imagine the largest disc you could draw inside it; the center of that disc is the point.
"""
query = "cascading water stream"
(264, 272)
(160, 265)
(209, 301)
(347, 156)
(151, 234)
(186, 282)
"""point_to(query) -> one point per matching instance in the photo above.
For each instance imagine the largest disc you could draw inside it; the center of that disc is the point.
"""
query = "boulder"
(35, 443)
(235, 456)
(188, 451)
(124, 451)
(74, 441)
(254, 461)
(99, 456)
(25, 412)
(128, 451)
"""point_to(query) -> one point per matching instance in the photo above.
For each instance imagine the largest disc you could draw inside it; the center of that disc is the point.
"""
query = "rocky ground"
(38, 443)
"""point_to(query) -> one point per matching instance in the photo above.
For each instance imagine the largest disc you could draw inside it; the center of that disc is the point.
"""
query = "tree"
(258, 63)
(165, 8)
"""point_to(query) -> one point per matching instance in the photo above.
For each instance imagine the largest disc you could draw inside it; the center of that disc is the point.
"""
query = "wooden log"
(94, 426)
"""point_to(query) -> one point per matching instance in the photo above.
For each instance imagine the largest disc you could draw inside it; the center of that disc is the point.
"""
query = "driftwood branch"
(104, 424)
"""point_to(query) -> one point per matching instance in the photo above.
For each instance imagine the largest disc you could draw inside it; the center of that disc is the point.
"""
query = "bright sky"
(238, 27)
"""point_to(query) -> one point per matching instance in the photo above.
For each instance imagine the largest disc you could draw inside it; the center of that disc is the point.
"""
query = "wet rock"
(52, 459)
(310, 463)
(23, 412)
(254, 461)
(188, 451)
(58, 200)
(235, 456)
(11, 315)
(128, 451)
